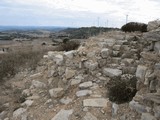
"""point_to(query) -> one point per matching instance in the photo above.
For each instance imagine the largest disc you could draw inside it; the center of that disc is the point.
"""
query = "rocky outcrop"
(153, 25)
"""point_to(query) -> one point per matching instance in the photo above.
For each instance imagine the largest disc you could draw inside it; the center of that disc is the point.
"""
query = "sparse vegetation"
(134, 26)
(121, 91)
(67, 46)
(14, 62)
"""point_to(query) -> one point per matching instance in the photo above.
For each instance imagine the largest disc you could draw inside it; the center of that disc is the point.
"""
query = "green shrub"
(65, 40)
(70, 45)
(121, 91)
(134, 26)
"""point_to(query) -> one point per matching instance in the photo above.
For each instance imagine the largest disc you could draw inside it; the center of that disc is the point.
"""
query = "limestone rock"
(82, 93)
(115, 108)
(38, 84)
(75, 81)
(86, 85)
(150, 56)
(152, 97)
(69, 73)
(157, 111)
(56, 92)
(112, 72)
(141, 72)
(63, 115)
(152, 35)
(66, 100)
(28, 103)
(157, 47)
(69, 54)
(89, 116)
(105, 52)
(37, 75)
(91, 54)
(91, 65)
(51, 54)
(59, 59)
(95, 102)
(152, 25)
(19, 112)
(147, 116)
(138, 107)
(3, 114)
(117, 47)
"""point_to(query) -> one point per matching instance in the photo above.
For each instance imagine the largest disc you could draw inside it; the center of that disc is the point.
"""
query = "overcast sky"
(77, 13)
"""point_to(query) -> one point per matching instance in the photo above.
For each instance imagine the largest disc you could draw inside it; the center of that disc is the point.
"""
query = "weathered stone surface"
(105, 52)
(140, 73)
(3, 114)
(51, 54)
(27, 103)
(69, 54)
(59, 59)
(138, 107)
(117, 47)
(75, 81)
(152, 97)
(86, 85)
(115, 108)
(129, 70)
(37, 75)
(89, 116)
(150, 56)
(91, 65)
(95, 102)
(38, 84)
(152, 85)
(82, 93)
(128, 61)
(116, 60)
(157, 47)
(147, 116)
(110, 42)
(112, 72)
(152, 25)
(69, 73)
(152, 35)
(66, 100)
(19, 112)
(61, 70)
(157, 111)
(91, 54)
(115, 53)
(63, 115)
(56, 92)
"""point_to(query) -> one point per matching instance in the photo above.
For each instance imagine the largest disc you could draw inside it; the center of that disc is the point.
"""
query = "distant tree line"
(86, 32)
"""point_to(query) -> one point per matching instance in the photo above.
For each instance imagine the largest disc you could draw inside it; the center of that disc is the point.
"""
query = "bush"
(70, 45)
(134, 26)
(14, 62)
(65, 40)
(121, 91)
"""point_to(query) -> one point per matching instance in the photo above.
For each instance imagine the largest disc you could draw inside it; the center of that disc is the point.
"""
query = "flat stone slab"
(56, 92)
(112, 72)
(95, 102)
(63, 115)
(86, 85)
(83, 93)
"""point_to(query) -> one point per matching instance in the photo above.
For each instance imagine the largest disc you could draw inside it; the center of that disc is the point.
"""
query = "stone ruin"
(73, 85)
